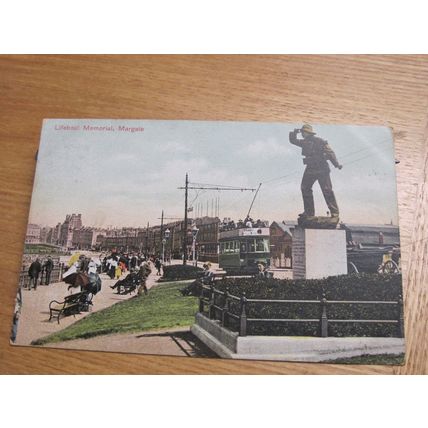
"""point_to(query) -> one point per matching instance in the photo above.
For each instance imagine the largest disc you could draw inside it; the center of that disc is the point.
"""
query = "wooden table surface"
(378, 90)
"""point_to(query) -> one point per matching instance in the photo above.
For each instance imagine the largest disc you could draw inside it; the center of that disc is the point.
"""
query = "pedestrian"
(316, 152)
(261, 270)
(158, 266)
(133, 261)
(48, 268)
(144, 273)
(33, 273)
(112, 265)
(118, 271)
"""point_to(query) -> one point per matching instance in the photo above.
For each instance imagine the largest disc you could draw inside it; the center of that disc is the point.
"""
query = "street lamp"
(164, 240)
(195, 231)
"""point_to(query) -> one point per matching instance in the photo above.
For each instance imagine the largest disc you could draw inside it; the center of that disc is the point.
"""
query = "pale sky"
(126, 179)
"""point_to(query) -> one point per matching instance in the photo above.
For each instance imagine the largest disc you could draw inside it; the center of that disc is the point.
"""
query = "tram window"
(262, 245)
(243, 248)
(252, 246)
(259, 245)
(266, 244)
(236, 247)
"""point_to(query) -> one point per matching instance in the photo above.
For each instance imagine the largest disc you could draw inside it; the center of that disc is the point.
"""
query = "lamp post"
(195, 231)
(164, 240)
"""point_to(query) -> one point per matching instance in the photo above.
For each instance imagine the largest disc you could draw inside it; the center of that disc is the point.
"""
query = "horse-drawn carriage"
(374, 259)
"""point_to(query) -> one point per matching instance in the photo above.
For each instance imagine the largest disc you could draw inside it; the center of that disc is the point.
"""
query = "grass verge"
(163, 307)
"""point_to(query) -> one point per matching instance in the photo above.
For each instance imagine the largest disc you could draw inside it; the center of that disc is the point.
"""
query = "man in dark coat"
(48, 267)
(133, 262)
(33, 273)
(316, 152)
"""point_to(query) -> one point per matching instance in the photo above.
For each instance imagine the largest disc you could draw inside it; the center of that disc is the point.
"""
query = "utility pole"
(199, 186)
(161, 235)
(185, 221)
(147, 239)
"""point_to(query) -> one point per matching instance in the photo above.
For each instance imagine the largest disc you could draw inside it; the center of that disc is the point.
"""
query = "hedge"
(180, 272)
(346, 287)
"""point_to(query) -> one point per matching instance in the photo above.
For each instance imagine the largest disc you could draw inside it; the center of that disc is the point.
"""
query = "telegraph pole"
(161, 235)
(161, 230)
(186, 187)
(199, 186)
(147, 240)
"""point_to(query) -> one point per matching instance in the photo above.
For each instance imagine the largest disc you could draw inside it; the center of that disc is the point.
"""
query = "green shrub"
(355, 287)
(180, 272)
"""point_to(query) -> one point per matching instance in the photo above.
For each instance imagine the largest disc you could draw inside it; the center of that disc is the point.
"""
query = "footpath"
(34, 324)
(34, 321)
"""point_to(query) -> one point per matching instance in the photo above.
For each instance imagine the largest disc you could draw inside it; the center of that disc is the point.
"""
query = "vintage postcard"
(242, 240)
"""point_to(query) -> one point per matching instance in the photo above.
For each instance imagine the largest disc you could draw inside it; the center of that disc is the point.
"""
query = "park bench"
(127, 287)
(212, 276)
(72, 305)
(218, 275)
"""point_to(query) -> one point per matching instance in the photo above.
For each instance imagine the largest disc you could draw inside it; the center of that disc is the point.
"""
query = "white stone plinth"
(318, 253)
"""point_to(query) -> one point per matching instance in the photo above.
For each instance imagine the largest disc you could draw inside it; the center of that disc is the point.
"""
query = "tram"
(243, 248)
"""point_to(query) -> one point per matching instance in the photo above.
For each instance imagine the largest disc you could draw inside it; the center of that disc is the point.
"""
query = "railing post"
(225, 309)
(400, 317)
(211, 312)
(243, 317)
(201, 300)
(324, 319)
(61, 271)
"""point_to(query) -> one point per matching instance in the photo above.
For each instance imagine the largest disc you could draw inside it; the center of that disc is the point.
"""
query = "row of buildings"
(168, 238)
(61, 234)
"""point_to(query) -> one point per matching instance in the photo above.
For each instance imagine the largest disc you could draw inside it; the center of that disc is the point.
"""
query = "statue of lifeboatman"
(316, 152)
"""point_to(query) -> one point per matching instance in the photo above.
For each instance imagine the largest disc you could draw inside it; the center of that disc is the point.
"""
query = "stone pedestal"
(318, 253)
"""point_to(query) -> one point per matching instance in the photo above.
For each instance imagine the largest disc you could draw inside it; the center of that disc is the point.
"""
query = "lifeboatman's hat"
(308, 128)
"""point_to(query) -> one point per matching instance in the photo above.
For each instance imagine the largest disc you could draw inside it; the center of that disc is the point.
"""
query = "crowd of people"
(83, 272)
(228, 224)
(115, 264)
(40, 268)
(136, 265)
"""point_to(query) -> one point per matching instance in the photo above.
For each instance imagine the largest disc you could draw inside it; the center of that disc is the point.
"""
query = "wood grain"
(379, 90)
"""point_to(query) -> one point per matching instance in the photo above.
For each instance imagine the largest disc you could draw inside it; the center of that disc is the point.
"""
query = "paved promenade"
(34, 324)
(173, 341)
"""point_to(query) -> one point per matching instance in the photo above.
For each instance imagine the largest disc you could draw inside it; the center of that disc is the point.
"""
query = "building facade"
(371, 234)
(72, 222)
(207, 244)
(281, 239)
(33, 234)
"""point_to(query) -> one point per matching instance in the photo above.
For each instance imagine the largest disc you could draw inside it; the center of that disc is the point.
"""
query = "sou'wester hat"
(308, 128)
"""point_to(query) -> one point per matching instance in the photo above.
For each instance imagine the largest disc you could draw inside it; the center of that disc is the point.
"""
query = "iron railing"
(56, 275)
(209, 297)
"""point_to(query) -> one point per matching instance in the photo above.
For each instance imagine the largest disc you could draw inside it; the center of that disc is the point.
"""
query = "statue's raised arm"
(293, 138)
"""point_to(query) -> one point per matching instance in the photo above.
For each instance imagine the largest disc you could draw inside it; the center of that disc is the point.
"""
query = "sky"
(119, 178)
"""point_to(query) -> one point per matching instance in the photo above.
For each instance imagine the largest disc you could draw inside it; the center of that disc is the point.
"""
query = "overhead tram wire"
(202, 188)
(199, 186)
(222, 186)
(282, 177)
(342, 157)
